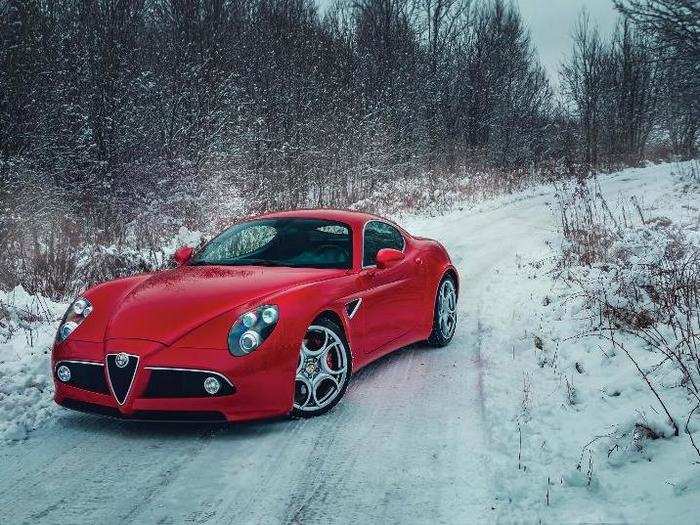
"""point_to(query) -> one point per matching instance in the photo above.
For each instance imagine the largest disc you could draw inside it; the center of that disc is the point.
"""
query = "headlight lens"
(269, 315)
(249, 319)
(76, 314)
(251, 329)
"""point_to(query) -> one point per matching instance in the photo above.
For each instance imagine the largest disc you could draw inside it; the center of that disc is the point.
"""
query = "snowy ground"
(484, 430)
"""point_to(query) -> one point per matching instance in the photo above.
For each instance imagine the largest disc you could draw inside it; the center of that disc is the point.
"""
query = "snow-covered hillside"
(520, 419)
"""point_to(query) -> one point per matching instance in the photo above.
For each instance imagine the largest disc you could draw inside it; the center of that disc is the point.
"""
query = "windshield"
(294, 242)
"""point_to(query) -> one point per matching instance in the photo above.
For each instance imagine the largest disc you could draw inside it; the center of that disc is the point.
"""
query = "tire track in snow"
(165, 477)
(96, 465)
(479, 363)
(323, 475)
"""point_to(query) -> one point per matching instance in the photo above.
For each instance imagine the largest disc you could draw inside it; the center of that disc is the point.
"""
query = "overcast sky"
(550, 23)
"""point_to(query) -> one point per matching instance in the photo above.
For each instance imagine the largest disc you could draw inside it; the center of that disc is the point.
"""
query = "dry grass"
(55, 247)
(640, 275)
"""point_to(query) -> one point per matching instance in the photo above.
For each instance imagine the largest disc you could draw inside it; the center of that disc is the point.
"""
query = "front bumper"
(145, 415)
(166, 381)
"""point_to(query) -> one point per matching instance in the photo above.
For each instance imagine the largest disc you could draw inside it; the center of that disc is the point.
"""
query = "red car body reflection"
(179, 319)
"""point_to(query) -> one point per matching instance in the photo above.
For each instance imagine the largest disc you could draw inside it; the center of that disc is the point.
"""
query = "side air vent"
(352, 307)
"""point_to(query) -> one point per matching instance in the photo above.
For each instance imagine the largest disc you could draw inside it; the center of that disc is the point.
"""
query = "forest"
(122, 120)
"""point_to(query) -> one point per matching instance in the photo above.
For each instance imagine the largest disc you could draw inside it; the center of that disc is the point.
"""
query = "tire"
(324, 369)
(444, 314)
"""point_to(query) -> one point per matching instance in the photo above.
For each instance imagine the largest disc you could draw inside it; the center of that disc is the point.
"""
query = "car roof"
(350, 217)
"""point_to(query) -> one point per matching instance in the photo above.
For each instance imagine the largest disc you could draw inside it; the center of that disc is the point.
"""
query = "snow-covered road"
(422, 436)
(408, 443)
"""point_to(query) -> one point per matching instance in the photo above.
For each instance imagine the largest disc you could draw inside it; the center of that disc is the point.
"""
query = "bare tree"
(676, 22)
(583, 78)
(674, 28)
(613, 90)
(120, 119)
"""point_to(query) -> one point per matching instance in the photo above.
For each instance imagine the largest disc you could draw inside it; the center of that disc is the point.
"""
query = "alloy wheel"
(322, 369)
(447, 308)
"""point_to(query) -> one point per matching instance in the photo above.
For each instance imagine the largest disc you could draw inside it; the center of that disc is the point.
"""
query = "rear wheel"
(323, 370)
(445, 316)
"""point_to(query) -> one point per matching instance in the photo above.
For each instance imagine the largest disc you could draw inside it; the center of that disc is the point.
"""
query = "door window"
(379, 235)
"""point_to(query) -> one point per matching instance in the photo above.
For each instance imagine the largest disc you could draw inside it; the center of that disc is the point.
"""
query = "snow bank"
(28, 324)
(578, 435)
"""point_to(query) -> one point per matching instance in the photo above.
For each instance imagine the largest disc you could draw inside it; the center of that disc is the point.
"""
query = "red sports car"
(269, 318)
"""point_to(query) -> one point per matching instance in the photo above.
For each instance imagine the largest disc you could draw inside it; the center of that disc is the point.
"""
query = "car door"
(390, 296)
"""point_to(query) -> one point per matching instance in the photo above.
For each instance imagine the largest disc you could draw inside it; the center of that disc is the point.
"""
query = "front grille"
(85, 375)
(121, 377)
(170, 382)
(145, 415)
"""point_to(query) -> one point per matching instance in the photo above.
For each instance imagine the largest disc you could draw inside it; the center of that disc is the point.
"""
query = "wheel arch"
(451, 272)
(447, 271)
(338, 319)
(331, 315)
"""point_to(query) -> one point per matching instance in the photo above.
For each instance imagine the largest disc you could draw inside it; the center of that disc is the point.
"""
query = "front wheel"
(445, 316)
(323, 370)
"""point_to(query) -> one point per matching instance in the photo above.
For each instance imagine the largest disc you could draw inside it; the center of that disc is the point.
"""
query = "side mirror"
(183, 255)
(388, 257)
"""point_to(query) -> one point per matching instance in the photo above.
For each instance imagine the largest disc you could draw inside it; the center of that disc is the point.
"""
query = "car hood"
(165, 306)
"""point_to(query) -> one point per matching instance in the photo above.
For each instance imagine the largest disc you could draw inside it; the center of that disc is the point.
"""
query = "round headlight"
(212, 385)
(80, 306)
(77, 312)
(249, 341)
(252, 329)
(249, 319)
(67, 328)
(63, 373)
(269, 315)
